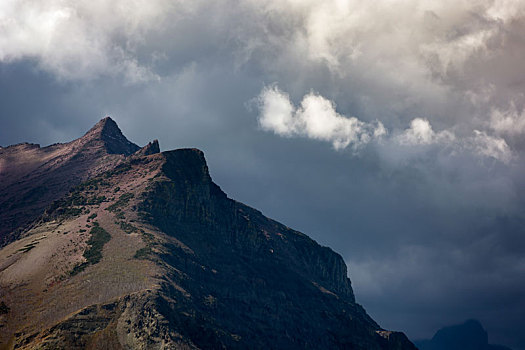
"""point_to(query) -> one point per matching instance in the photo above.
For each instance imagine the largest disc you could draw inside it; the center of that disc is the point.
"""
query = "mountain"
(32, 177)
(112, 246)
(467, 336)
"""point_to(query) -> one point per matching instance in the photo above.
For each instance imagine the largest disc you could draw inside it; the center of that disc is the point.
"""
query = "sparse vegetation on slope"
(127, 227)
(4, 309)
(93, 254)
(28, 247)
(149, 239)
(143, 253)
(92, 184)
(121, 202)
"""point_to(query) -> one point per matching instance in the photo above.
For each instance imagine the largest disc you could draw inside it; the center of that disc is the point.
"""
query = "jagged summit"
(151, 148)
(107, 131)
(106, 124)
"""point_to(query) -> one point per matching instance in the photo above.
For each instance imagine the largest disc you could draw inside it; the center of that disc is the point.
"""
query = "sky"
(391, 131)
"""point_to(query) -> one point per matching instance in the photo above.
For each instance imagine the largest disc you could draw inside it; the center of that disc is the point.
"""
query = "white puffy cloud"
(277, 112)
(315, 118)
(420, 132)
(509, 121)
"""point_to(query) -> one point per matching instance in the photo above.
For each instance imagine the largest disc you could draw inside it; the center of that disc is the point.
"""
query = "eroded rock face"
(183, 267)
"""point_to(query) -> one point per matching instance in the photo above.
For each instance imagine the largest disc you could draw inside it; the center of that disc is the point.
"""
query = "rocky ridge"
(32, 177)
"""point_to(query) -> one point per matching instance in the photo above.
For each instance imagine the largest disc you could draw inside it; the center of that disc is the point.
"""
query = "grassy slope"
(81, 257)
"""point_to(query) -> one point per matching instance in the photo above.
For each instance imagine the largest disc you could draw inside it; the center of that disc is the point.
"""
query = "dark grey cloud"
(431, 225)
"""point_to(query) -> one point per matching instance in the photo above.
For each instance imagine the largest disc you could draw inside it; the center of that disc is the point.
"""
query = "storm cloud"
(391, 131)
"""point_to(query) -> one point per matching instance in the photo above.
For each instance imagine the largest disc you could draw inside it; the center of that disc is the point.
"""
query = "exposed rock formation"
(138, 249)
(151, 148)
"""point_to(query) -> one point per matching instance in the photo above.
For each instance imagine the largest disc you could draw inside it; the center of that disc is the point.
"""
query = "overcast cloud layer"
(391, 131)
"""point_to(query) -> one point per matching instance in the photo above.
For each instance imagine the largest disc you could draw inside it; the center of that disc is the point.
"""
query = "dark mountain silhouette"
(467, 336)
(112, 246)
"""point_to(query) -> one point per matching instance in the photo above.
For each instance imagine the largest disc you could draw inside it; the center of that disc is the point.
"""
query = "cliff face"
(148, 252)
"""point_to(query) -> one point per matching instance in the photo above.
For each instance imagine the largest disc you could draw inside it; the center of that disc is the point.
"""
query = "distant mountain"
(111, 246)
(467, 336)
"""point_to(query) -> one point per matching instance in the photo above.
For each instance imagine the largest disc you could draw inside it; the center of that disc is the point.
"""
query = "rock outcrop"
(151, 148)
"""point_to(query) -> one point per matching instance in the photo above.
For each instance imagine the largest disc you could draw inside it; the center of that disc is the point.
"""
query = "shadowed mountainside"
(129, 248)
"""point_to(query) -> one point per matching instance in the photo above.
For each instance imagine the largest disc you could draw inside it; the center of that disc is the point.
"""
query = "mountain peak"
(105, 123)
(105, 126)
(107, 131)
